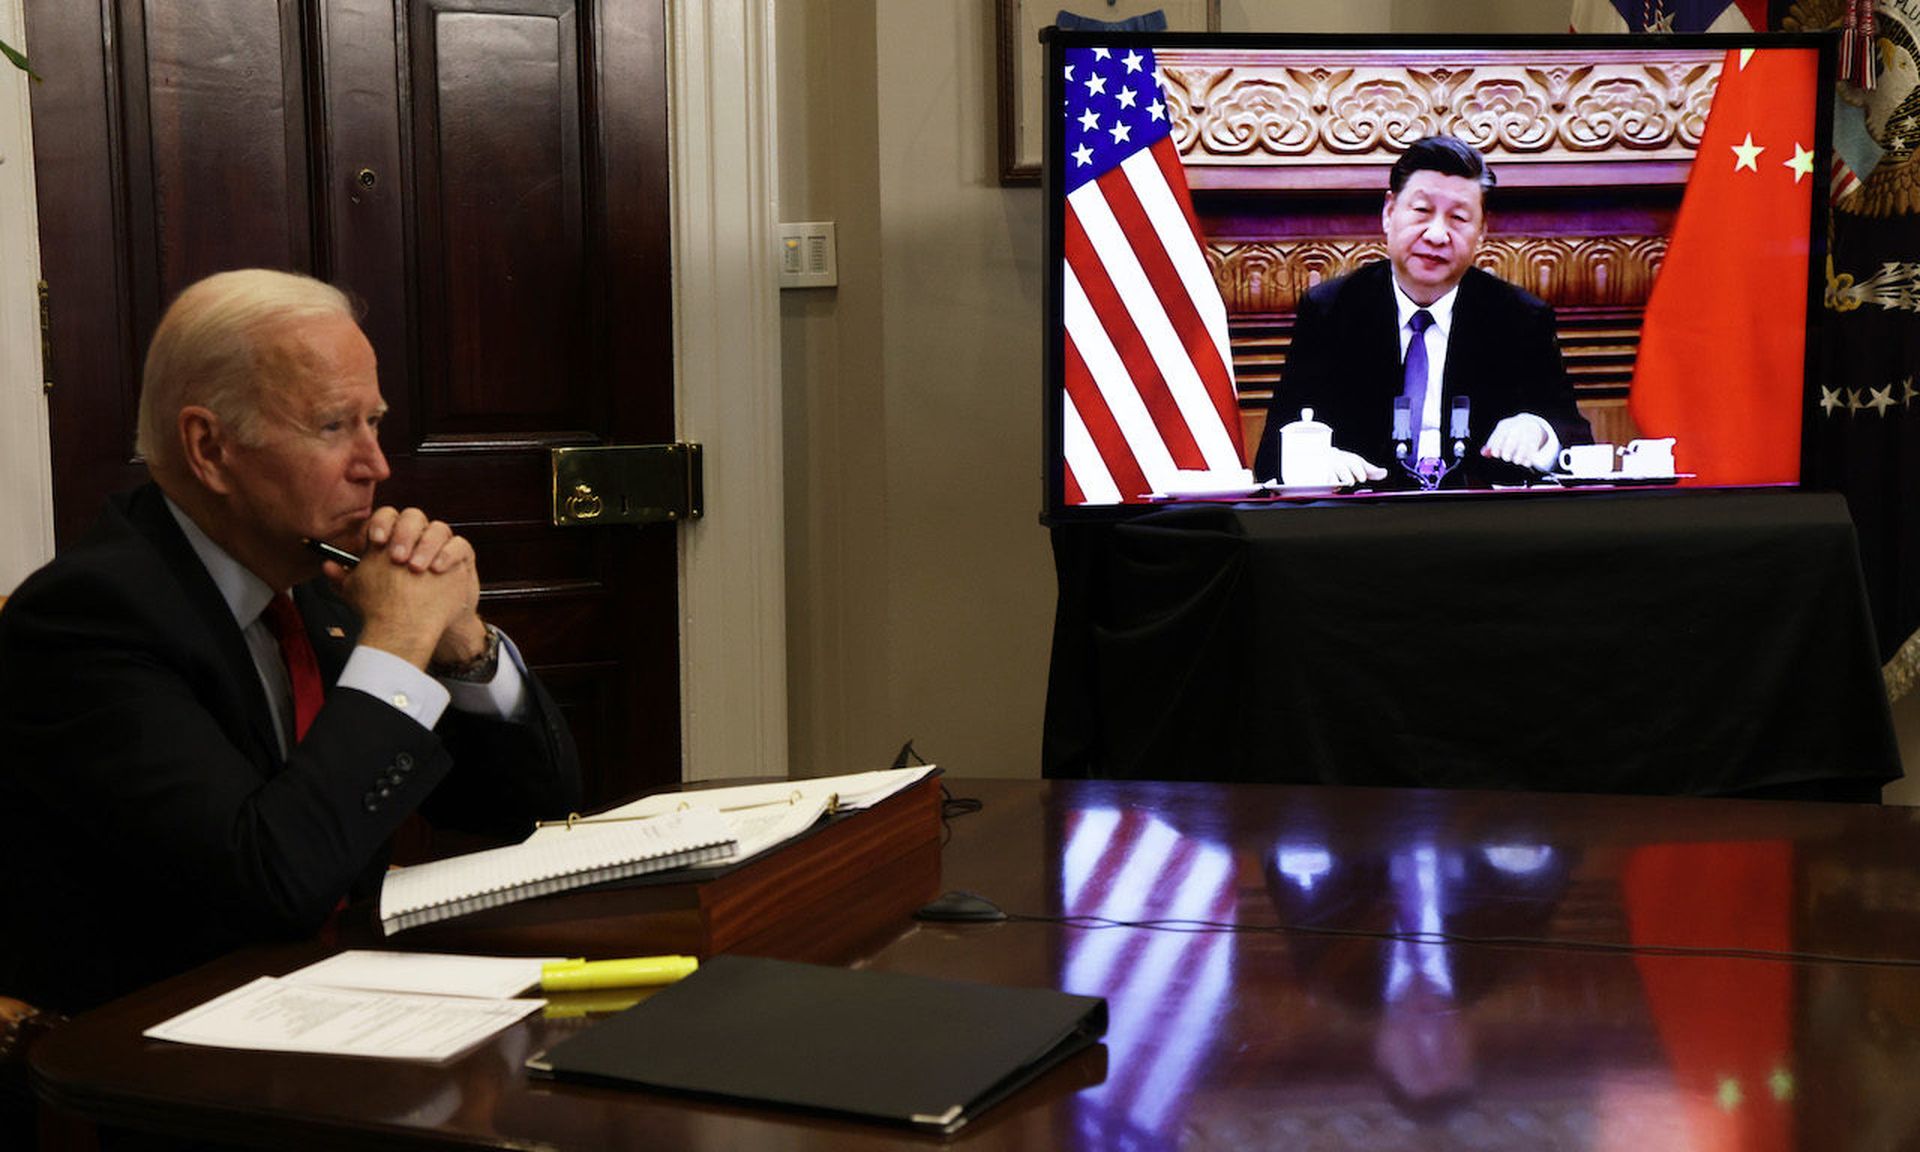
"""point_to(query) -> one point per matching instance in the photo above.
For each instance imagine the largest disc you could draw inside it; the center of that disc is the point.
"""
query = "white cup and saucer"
(1587, 461)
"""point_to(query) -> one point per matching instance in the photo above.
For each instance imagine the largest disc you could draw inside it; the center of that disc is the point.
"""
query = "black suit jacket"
(152, 822)
(1344, 363)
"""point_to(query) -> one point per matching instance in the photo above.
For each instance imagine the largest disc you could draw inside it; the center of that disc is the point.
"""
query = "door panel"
(488, 177)
(362, 182)
(215, 122)
(502, 216)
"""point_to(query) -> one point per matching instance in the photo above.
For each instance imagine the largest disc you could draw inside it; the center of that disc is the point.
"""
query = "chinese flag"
(1722, 354)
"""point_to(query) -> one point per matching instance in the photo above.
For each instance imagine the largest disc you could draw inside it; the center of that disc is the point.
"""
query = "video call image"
(1375, 268)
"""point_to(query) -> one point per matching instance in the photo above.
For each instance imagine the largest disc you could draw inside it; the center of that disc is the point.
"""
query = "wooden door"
(490, 178)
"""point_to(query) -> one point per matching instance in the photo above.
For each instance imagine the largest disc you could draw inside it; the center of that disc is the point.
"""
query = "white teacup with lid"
(1306, 451)
(1647, 458)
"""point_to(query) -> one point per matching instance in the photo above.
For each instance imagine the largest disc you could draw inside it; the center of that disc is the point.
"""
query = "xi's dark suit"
(151, 820)
(1344, 363)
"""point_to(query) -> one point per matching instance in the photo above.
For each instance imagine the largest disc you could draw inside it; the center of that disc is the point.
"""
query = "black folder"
(877, 1045)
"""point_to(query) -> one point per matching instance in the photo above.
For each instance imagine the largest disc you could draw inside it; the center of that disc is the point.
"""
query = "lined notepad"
(553, 859)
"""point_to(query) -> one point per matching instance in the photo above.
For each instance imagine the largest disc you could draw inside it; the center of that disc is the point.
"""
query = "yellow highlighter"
(583, 975)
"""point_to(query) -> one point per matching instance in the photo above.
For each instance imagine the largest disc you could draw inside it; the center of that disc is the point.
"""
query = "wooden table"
(1589, 972)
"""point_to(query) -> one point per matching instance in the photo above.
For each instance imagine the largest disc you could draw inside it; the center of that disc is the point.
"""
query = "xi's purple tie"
(1415, 378)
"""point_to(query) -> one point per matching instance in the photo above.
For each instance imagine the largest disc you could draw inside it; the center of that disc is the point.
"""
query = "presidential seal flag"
(1668, 15)
(1149, 372)
(1864, 434)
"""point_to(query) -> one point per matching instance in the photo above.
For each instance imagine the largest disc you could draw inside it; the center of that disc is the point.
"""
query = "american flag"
(1149, 374)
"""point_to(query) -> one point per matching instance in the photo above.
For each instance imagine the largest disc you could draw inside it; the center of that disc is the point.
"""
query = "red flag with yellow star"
(1723, 351)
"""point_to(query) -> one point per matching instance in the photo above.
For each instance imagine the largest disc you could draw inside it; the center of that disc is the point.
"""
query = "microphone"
(1458, 425)
(1402, 426)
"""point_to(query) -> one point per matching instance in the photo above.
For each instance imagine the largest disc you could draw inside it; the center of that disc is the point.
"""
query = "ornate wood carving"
(1555, 107)
(1269, 277)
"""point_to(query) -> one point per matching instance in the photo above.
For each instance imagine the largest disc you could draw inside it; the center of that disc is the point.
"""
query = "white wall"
(26, 500)
(970, 573)
(920, 582)
(835, 397)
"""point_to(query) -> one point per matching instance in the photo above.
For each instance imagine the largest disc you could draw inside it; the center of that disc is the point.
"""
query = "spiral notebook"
(553, 859)
(886, 1046)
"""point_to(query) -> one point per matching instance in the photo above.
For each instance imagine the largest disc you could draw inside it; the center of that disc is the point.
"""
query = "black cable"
(952, 806)
(1202, 927)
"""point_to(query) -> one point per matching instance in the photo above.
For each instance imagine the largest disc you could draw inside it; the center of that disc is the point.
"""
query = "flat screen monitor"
(1292, 267)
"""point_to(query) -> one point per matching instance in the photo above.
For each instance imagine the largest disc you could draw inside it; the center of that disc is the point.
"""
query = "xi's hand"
(1349, 468)
(1519, 439)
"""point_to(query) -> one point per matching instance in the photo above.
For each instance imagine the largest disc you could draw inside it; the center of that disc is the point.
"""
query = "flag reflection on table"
(1165, 989)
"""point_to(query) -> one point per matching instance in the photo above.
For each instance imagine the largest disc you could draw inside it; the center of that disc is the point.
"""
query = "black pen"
(327, 551)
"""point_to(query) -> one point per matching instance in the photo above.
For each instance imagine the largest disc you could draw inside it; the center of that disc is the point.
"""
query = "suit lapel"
(1384, 334)
(1461, 346)
(146, 511)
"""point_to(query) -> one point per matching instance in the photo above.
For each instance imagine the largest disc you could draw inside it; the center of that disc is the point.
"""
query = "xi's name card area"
(274, 1014)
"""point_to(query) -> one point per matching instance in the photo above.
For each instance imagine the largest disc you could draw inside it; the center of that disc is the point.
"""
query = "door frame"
(733, 630)
(26, 454)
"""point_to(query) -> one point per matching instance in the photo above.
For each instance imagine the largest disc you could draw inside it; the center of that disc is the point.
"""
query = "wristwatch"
(478, 670)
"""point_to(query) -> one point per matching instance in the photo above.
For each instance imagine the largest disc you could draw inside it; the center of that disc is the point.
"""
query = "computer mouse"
(960, 906)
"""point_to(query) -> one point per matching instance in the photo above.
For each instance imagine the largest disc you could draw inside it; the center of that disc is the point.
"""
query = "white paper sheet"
(273, 1014)
(428, 973)
(760, 816)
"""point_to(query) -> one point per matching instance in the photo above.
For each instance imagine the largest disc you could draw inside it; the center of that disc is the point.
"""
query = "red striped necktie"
(296, 651)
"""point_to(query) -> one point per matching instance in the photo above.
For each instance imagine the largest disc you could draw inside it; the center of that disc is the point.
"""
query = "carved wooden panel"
(1554, 107)
(1271, 276)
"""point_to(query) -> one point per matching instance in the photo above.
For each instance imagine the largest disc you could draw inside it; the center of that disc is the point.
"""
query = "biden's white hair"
(218, 347)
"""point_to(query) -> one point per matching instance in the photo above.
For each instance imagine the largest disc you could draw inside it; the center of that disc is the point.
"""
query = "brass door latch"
(626, 484)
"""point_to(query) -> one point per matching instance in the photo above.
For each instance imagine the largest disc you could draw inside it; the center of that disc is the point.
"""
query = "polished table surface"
(1310, 967)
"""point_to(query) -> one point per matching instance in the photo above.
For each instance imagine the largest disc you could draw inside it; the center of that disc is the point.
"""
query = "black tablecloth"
(1673, 642)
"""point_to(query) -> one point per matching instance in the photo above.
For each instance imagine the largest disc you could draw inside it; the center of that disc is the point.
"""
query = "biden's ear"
(205, 447)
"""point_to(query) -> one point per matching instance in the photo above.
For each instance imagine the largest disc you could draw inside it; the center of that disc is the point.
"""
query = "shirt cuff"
(384, 676)
(504, 696)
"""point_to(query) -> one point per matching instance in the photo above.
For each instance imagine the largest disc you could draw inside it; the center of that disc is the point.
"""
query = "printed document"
(274, 1014)
(429, 973)
(760, 816)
